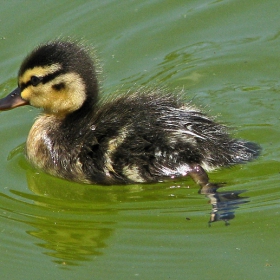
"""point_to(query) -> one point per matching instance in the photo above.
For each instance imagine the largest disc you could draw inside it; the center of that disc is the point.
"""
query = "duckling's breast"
(48, 149)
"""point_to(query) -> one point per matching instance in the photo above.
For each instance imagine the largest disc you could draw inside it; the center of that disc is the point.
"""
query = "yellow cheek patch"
(54, 100)
(26, 94)
(71, 97)
(40, 71)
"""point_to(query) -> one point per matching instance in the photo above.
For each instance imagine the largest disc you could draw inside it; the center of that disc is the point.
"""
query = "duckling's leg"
(200, 177)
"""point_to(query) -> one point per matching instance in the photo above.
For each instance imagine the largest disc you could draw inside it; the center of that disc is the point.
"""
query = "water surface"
(225, 55)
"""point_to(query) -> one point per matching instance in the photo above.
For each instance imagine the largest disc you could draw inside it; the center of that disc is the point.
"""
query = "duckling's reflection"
(71, 242)
(224, 205)
(69, 236)
(78, 219)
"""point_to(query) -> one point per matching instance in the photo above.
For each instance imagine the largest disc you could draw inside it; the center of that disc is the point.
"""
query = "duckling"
(141, 137)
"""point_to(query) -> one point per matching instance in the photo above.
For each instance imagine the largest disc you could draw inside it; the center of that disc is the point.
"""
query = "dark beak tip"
(12, 100)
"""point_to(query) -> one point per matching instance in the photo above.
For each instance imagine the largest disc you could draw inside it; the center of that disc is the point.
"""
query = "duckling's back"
(149, 137)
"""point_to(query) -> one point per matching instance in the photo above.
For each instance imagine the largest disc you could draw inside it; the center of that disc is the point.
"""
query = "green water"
(225, 55)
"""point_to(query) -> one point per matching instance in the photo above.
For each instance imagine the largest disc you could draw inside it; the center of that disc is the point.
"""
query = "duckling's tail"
(243, 151)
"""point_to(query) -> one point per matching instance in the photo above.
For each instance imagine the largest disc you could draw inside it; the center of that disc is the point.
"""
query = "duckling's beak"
(12, 100)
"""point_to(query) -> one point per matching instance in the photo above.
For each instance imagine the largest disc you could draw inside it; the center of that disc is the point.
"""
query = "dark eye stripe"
(44, 79)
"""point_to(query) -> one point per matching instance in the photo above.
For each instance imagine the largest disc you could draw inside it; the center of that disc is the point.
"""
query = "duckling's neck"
(80, 115)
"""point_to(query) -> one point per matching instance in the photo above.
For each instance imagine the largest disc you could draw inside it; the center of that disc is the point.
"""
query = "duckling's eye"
(34, 80)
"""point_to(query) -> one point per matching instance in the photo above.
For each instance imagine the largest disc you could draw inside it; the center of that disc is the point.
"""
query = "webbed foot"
(199, 175)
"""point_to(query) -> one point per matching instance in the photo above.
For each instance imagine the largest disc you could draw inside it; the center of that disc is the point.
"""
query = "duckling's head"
(58, 77)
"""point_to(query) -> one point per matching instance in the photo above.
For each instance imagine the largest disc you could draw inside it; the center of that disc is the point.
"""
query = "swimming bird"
(140, 137)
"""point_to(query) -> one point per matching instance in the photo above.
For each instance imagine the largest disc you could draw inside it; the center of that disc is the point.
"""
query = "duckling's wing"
(211, 140)
(148, 138)
(179, 138)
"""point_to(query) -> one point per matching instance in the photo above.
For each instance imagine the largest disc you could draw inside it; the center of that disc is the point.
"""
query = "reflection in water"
(224, 205)
(71, 229)
(69, 241)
